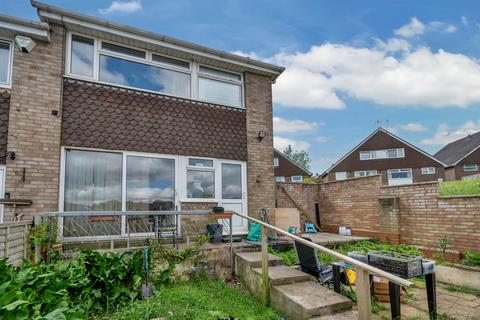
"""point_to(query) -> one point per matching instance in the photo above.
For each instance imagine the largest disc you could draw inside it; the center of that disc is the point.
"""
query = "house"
(462, 157)
(385, 154)
(98, 116)
(286, 170)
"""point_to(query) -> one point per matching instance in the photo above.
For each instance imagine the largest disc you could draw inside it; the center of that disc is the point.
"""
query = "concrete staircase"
(292, 291)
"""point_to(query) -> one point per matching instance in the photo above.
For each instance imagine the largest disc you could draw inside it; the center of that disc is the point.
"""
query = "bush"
(471, 259)
(459, 188)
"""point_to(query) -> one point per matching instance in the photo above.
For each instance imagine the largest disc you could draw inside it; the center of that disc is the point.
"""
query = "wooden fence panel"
(14, 242)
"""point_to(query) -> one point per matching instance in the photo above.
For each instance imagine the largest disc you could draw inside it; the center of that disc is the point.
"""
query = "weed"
(463, 289)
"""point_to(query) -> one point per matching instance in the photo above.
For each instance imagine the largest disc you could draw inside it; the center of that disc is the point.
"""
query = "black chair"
(309, 263)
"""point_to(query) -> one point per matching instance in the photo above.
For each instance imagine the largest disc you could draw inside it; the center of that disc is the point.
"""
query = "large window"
(382, 154)
(5, 63)
(130, 67)
(399, 176)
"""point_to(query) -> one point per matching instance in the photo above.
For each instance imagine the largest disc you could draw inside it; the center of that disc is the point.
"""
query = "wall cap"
(459, 196)
(411, 184)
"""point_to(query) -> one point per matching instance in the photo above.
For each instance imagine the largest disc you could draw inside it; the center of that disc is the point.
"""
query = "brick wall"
(261, 181)
(412, 214)
(33, 133)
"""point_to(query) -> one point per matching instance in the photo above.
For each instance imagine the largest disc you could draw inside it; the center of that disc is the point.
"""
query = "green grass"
(463, 289)
(289, 257)
(459, 188)
(200, 298)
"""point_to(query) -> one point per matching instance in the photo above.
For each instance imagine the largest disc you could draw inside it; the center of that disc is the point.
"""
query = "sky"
(412, 67)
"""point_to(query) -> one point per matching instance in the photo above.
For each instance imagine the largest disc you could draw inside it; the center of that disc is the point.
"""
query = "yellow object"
(351, 275)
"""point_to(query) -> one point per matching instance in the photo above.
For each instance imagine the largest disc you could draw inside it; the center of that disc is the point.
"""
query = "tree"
(301, 158)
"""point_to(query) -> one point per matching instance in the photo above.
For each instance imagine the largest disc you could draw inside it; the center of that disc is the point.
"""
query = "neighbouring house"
(99, 116)
(383, 153)
(286, 170)
(462, 158)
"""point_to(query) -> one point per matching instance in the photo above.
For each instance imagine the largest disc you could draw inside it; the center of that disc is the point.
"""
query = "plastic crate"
(399, 264)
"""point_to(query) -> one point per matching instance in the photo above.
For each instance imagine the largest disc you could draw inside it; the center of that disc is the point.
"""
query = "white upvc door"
(233, 194)
(2, 189)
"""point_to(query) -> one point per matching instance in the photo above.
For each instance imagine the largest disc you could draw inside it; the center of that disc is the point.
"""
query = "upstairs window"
(129, 67)
(382, 154)
(470, 167)
(5, 62)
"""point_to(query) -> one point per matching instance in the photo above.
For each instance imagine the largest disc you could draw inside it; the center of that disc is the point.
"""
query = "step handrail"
(373, 270)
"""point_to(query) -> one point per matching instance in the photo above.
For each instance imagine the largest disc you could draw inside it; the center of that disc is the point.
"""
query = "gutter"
(34, 29)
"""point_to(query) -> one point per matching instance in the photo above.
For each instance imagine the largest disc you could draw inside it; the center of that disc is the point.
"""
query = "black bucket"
(215, 231)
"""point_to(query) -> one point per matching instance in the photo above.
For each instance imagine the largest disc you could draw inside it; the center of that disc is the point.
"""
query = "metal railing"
(363, 270)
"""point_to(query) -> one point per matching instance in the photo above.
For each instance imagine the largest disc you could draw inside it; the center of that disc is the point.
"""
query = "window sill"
(206, 200)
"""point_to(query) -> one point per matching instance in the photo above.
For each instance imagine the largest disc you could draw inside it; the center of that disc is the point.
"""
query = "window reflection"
(200, 184)
(81, 62)
(139, 75)
(231, 181)
(219, 92)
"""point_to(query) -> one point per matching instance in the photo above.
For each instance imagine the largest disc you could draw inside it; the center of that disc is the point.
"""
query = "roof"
(308, 173)
(13, 26)
(86, 23)
(370, 136)
(456, 151)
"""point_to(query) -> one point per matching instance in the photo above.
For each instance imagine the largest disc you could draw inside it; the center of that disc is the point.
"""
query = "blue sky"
(350, 64)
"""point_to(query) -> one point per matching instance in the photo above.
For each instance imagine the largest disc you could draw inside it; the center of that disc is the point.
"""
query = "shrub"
(459, 188)
(471, 259)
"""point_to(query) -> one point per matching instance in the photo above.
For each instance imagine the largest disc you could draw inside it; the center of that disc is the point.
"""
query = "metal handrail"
(125, 213)
(358, 264)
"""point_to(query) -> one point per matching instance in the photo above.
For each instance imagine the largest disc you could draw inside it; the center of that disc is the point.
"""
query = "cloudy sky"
(411, 66)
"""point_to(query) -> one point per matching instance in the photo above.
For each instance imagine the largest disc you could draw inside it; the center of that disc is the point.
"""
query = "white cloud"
(322, 139)
(122, 6)
(393, 45)
(252, 55)
(286, 125)
(314, 79)
(444, 135)
(414, 127)
(439, 26)
(415, 27)
(451, 28)
(282, 143)
(464, 20)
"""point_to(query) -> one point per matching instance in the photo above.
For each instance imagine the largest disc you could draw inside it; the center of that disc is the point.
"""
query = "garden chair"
(309, 263)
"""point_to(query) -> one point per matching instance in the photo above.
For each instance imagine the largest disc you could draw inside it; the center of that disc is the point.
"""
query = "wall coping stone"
(460, 196)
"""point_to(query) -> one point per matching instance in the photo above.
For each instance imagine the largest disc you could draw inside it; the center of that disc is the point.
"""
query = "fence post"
(7, 242)
(265, 277)
(37, 220)
(364, 301)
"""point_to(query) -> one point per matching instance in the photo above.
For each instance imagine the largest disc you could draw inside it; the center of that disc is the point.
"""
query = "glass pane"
(200, 184)
(123, 50)
(150, 184)
(200, 162)
(219, 92)
(365, 155)
(380, 154)
(221, 73)
(392, 153)
(93, 182)
(231, 181)
(4, 62)
(81, 61)
(400, 174)
(139, 75)
(171, 61)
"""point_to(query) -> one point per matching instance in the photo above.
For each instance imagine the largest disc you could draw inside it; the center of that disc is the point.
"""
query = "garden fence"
(14, 241)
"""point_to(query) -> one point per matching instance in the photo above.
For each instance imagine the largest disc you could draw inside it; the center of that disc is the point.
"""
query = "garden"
(459, 188)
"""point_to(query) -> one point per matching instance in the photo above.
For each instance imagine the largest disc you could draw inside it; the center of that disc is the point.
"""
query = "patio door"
(150, 185)
(234, 194)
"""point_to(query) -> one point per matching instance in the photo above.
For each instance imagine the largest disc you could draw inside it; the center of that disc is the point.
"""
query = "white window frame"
(297, 179)
(8, 84)
(276, 162)
(428, 170)
(193, 71)
(389, 171)
(341, 175)
(365, 173)
(470, 165)
(373, 154)
(217, 176)
(280, 179)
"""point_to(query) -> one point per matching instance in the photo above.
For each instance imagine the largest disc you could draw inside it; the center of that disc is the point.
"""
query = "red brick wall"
(412, 214)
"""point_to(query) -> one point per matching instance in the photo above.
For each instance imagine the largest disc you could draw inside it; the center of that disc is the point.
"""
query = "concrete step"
(254, 259)
(347, 315)
(304, 300)
(284, 275)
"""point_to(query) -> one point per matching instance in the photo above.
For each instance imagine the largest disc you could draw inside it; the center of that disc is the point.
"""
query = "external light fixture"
(261, 135)
(10, 155)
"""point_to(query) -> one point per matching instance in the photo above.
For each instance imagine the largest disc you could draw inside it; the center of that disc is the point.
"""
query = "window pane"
(200, 162)
(139, 75)
(93, 182)
(231, 181)
(171, 61)
(219, 92)
(400, 174)
(81, 61)
(4, 62)
(392, 153)
(365, 155)
(200, 184)
(220, 73)
(123, 50)
(280, 179)
(297, 178)
(340, 175)
(150, 184)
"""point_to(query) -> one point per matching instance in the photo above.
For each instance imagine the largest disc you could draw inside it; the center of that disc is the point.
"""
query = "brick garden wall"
(412, 214)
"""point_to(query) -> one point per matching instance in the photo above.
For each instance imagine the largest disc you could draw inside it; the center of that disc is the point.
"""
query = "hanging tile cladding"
(107, 117)
(4, 114)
